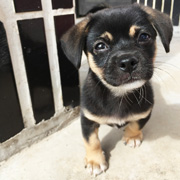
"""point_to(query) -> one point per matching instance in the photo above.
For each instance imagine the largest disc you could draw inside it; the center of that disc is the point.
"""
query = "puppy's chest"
(116, 107)
(116, 118)
(101, 106)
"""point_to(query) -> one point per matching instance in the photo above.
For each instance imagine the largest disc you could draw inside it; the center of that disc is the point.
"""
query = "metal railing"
(30, 134)
(171, 7)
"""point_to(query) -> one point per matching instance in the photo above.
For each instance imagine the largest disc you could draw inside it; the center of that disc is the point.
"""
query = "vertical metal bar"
(52, 53)
(172, 8)
(10, 24)
(162, 6)
(75, 16)
(154, 4)
(145, 2)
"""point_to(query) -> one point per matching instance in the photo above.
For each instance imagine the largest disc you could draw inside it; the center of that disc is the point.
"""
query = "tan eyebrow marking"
(107, 34)
(132, 30)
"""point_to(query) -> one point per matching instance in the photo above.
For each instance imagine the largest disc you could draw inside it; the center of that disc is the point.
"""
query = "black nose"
(128, 65)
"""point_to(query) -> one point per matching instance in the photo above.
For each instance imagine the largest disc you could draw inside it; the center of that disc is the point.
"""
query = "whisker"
(146, 98)
(125, 97)
(162, 70)
(167, 64)
(120, 103)
(156, 77)
(136, 99)
(129, 98)
(160, 80)
(142, 93)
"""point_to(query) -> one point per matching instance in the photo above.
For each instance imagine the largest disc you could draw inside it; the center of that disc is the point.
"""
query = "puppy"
(120, 44)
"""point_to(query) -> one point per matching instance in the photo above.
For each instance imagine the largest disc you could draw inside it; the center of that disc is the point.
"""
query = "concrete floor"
(60, 156)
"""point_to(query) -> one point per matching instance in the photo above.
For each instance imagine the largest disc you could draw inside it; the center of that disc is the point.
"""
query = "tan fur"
(115, 120)
(98, 71)
(107, 35)
(149, 11)
(94, 153)
(132, 30)
(78, 29)
(155, 53)
(81, 26)
(132, 132)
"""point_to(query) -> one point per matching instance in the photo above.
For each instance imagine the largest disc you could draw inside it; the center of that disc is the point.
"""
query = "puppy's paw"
(96, 163)
(134, 141)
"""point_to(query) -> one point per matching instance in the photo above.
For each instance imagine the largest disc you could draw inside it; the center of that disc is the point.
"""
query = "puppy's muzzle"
(128, 64)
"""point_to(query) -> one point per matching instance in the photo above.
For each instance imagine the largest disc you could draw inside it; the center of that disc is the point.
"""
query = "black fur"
(96, 97)
(87, 127)
(99, 100)
(96, 8)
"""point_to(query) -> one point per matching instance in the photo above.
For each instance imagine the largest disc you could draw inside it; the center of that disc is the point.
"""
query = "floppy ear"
(162, 25)
(72, 42)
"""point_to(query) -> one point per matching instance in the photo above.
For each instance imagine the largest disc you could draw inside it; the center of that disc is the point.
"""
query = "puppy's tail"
(98, 7)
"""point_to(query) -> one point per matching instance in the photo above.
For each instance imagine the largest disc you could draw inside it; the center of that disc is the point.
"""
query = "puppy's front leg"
(95, 158)
(133, 135)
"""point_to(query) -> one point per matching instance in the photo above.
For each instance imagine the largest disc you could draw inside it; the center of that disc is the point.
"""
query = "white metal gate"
(32, 131)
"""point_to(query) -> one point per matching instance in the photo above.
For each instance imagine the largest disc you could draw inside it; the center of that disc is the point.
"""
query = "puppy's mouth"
(125, 79)
(131, 79)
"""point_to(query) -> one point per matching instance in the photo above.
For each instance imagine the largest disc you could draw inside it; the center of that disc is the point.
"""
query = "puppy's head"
(119, 43)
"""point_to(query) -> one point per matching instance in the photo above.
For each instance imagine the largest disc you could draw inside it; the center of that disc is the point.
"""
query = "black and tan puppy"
(120, 44)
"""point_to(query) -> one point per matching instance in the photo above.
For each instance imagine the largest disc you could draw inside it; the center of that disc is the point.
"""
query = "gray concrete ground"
(60, 156)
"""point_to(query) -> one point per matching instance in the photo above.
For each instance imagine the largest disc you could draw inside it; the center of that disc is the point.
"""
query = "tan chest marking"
(115, 120)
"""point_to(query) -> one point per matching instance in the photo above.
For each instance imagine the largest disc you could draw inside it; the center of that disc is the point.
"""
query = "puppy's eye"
(144, 38)
(101, 46)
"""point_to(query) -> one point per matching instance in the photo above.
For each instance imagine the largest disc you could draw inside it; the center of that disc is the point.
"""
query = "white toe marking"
(104, 167)
(134, 143)
(89, 168)
(97, 171)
